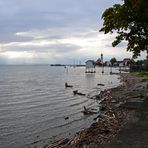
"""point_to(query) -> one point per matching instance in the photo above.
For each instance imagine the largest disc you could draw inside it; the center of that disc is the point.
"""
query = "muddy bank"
(117, 109)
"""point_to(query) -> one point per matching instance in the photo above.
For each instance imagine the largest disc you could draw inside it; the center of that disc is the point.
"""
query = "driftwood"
(66, 118)
(58, 144)
(105, 137)
(99, 84)
(66, 85)
(75, 92)
(88, 111)
(97, 97)
(103, 107)
(104, 116)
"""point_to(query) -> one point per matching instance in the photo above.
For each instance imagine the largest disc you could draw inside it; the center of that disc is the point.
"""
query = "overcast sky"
(55, 31)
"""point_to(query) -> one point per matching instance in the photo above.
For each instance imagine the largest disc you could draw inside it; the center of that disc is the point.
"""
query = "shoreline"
(116, 111)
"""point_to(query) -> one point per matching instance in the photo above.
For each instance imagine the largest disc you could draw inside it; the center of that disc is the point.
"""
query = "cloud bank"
(46, 31)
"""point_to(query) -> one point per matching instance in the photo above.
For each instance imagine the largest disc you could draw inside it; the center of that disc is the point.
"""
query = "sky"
(55, 31)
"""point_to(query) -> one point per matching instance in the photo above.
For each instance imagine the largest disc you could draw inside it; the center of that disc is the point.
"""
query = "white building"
(90, 66)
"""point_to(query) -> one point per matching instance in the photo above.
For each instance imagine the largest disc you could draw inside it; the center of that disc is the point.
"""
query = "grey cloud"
(123, 44)
(24, 15)
(49, 19)
(57, 48)
(65, 48)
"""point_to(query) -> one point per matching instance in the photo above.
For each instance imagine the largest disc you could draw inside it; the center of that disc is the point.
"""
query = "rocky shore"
(118, 106)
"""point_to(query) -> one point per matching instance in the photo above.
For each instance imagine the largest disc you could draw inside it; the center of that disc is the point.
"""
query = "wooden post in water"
(120, 69)
(111, 69)
(102, 63)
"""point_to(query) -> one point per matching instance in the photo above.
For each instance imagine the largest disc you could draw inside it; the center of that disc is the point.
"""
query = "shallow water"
(34, 103)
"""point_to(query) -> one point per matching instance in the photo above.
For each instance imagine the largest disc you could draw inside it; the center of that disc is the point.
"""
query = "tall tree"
(113, 60)
(130, 21)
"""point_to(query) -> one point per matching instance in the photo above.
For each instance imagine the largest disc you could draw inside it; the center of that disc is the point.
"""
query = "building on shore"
(90, 66)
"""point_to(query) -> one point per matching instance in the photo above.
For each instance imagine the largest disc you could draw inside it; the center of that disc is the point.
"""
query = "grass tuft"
(142, 74)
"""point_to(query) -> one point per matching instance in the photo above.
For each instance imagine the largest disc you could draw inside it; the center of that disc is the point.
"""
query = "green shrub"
(146, 65)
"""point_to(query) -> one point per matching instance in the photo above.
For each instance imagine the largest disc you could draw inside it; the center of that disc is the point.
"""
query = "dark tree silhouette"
(113, 60)
(130, 21)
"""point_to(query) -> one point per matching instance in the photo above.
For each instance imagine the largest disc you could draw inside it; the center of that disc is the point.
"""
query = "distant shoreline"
(70, 65)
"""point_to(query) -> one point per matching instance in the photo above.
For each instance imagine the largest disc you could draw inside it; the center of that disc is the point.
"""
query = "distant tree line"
(137, 65)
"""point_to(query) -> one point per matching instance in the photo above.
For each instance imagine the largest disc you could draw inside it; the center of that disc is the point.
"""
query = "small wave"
(75, 104)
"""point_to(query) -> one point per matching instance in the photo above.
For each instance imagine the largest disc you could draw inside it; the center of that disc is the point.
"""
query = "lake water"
(34, 103)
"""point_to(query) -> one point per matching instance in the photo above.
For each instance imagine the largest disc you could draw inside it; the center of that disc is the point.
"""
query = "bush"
(146, 65)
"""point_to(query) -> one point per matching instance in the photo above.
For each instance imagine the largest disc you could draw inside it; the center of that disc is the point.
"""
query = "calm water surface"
(34, 103)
